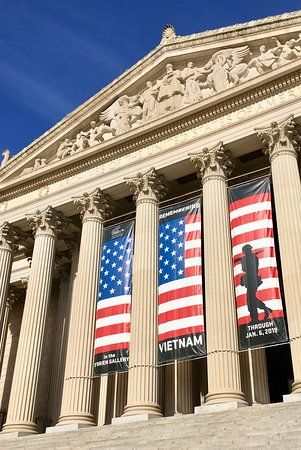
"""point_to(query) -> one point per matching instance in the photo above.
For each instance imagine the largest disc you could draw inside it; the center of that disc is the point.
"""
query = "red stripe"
(188, 311)
(112, 329)
(264, 295)
(193, 218)
(175, 294)
(111, 347)
(265, 252)
(113, 310)
(192, 271)
(193, 252)
(258, 198)
(192, 235)
(252, 217)
(247, 319)
(267, 272)
(252, 236)
(180, 333)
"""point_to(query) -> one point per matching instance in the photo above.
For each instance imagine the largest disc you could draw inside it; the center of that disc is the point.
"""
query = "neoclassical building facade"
(197, 115)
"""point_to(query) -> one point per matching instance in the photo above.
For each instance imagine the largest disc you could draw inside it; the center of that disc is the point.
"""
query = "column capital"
(147, 186)
(213, 163)
(47, 222)
(8, 237)
(280, 138)
(94, 205)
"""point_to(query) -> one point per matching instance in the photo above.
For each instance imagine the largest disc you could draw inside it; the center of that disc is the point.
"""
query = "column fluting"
(67, 284)
(78, 384)
(224, 382)
(8, 245)
(142, 397)
(282, 142)
(21, 410)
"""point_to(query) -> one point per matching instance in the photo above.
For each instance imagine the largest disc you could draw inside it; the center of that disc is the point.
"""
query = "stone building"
(165, 130)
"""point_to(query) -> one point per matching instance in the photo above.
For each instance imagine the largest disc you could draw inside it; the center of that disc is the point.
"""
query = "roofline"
(259, 25)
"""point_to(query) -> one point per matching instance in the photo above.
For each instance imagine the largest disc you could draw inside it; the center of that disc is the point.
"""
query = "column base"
(76, 419)
(225, 397)
(20, 429)
(291, 398)
(296, 387)
(68, 427)
(134, 418)
(218, 407)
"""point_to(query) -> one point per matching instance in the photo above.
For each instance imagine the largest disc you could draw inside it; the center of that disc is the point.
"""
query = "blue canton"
(116, 268)
(172, 250)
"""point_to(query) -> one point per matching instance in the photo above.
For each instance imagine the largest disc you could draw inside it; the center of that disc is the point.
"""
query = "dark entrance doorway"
(280, 371)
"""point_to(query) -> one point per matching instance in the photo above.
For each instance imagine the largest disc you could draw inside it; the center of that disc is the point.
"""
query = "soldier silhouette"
(251, 280)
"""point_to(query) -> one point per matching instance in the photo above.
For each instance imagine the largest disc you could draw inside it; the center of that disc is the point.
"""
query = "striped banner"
(112, 334)
(258, 298)
(180, 299)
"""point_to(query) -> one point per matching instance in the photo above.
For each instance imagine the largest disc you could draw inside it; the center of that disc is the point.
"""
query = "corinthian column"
(142, 400)
(282, 143)
(67, 284)
(8, 244)
(224, 382)
(76, 409)
(21, 410)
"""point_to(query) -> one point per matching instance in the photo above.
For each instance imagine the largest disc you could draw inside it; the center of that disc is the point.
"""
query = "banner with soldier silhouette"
(258, 298)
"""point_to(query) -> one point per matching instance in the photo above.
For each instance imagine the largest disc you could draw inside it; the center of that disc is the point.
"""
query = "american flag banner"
(258, 298)
(180, 299)
(112, 331)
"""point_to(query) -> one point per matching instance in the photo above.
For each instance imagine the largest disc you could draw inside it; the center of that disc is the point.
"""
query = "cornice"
(179, 43)
(175, 123)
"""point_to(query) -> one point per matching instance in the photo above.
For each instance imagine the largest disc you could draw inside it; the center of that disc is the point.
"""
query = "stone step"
(269, 426)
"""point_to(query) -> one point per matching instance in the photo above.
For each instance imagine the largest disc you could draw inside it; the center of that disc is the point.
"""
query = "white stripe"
(268, 283)
(113, 301)
(180, 324)
(196, 226)
(190, 262)
(113, 320)
(194, 300)
(276, 305)
(263, 264)
(113, 339)
(251, 226)
(194, 243)
(254, 207)
(177, 284)
(256, 244)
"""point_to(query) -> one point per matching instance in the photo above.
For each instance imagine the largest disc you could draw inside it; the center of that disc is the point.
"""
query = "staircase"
(276, 426)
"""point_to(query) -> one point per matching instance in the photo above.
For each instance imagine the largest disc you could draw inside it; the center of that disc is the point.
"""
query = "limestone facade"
(197, 114)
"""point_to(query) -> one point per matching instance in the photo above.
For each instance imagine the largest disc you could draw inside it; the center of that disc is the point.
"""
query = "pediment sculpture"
(178, 88)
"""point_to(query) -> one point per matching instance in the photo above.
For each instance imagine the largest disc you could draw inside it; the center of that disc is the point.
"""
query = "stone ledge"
(15, 434)
(134, 418)
(292, 398)
(68, 427)
(218, 407)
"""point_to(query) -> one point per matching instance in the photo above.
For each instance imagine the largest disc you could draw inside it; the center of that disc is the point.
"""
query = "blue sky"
(55, 54)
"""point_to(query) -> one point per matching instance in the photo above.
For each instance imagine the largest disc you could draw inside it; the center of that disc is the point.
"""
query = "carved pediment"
(176, 80)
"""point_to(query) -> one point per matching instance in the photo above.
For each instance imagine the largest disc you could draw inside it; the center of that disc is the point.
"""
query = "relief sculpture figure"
(225, 69)
(64, 149)
(192, 88)
(171, 90)
(149, 101)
